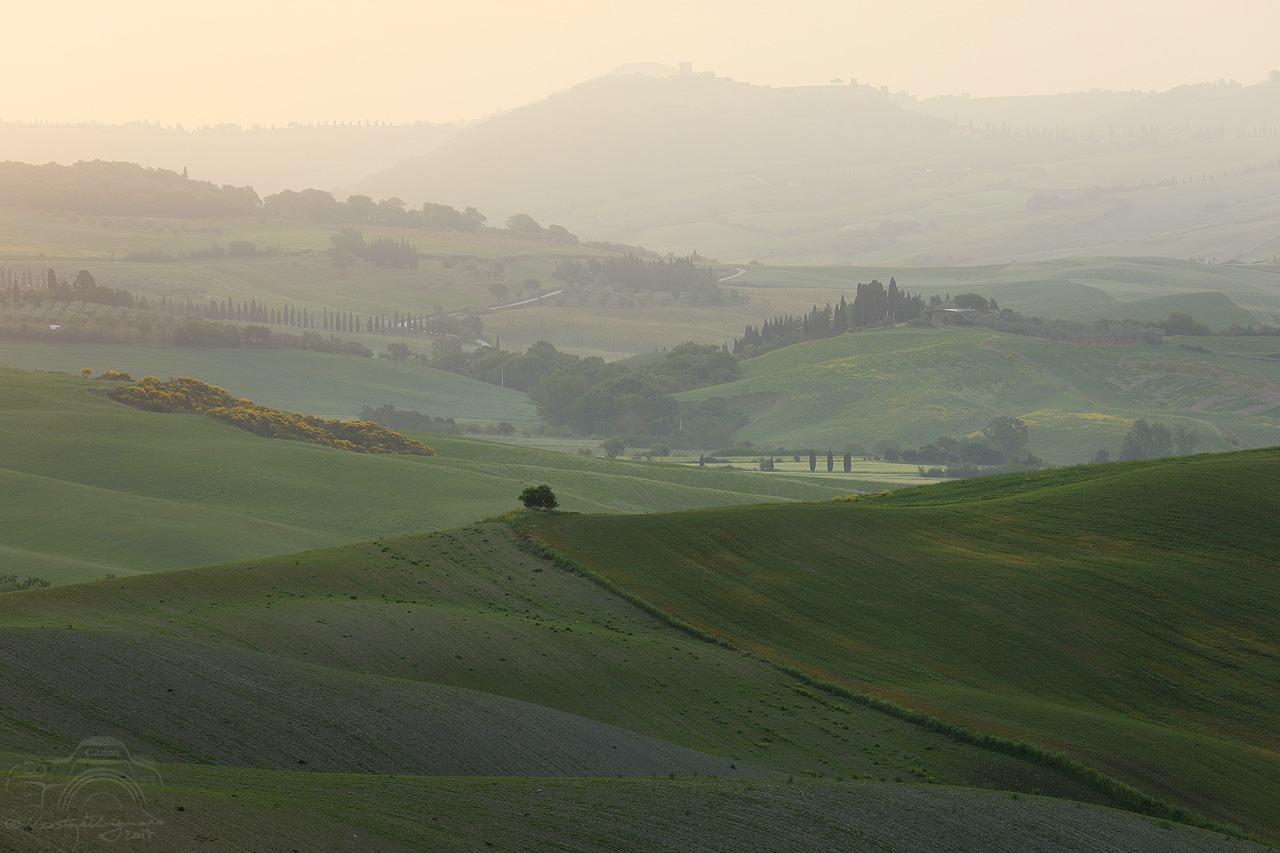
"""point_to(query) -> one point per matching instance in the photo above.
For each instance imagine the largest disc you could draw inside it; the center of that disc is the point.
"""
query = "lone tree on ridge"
(539, 497)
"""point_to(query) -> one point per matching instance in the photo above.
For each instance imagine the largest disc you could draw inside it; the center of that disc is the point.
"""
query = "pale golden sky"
(276, 61)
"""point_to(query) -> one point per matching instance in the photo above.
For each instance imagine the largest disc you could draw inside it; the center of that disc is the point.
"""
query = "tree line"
(872, 305)
(673, 275)
(202, 334)
(319, 206)
(401, 419)
(102, 188)
(589, 396)
(349, 244)
(17, 288)
(1153, 440)
(1002, 445)
(781, 331)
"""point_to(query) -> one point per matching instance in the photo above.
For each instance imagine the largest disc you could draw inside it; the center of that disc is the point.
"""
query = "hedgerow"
(191, 396)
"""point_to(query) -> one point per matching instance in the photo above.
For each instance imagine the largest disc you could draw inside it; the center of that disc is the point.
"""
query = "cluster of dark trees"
(526, 225)
(349, 244)
(1236, 330)
(320, 206)
(779, 332)
(1154, 441)
(82, 289)
(592, 397)
(673, 275)
(589, 396)
(1070, 331)
(400, 419)
(199, 333)
(10, 583)
(625, 249)
(1002, 444)
(873, 304)
(103, 188)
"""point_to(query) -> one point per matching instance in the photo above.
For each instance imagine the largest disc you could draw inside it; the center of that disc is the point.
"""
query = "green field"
(913, 385)
(1122, 613)
(338, 692)
(322, 384)
(98, 487)
(1076, 288)
(1080, 288)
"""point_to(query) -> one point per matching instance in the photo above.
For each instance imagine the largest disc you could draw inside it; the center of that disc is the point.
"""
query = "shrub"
(10, 583)
(192, 396)
(539, 497)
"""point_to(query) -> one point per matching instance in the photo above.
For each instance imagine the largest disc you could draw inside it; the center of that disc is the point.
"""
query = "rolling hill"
(98, 487)
(325, 693)
(856, 175)
(322, 384)
(913, 385)
(1120, 613)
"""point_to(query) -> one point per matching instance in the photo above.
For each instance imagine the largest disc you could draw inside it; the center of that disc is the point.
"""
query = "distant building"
(939, 315)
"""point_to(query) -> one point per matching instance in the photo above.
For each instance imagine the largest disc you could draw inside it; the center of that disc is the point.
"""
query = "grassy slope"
(335, 657)
(914, 385)
(270, 811)
(106, 488)
(1122, 613)
(331, 386)
(1080, 288)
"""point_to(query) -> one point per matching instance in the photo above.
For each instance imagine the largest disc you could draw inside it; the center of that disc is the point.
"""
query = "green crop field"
(401, 688)
(98, 487)
(603, 321)
(1121, 613)
(327, 385)
(913, 385)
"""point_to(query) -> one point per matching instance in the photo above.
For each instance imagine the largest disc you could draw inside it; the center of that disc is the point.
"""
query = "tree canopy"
(539, 497)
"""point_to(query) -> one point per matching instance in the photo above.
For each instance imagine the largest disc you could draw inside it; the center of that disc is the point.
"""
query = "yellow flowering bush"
(191, 396)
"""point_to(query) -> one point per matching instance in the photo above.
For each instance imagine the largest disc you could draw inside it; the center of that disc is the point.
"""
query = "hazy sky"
(276, 61)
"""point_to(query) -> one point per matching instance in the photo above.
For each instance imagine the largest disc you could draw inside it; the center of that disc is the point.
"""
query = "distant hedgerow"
(10, 583)
(192, 396)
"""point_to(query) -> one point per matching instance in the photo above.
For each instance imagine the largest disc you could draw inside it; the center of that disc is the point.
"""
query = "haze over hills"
(267, 159)
(850, 173)
(844, 173)
(810, 389)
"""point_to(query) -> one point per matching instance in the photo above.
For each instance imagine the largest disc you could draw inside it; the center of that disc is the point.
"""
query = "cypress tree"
(813, 461)
(831, 462)
(848, 462)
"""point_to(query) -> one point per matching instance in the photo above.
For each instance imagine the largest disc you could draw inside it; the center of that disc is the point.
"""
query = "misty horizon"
(269, 65)
(649, 69)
